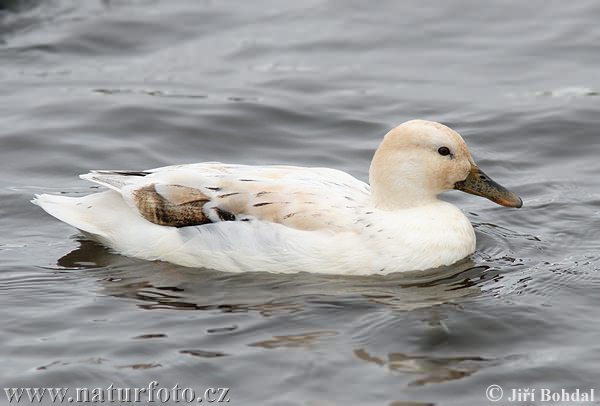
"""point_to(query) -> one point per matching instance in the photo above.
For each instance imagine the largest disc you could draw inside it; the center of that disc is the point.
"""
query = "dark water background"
(137, 84)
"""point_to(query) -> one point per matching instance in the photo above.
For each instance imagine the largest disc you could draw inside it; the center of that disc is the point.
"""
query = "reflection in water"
(147, 336)
(305, 340)
(158, 285)
(59, 363)
(203, 353)
(141, 366)
(431, 369)
(17, 5)
(161, 285)
(156, 93)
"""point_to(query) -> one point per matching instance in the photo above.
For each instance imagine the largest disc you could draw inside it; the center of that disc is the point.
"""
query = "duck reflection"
(302, 296)
(159, 285)
(430, 369)
(304, 340)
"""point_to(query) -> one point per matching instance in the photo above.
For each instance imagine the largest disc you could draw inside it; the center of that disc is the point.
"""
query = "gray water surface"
(140, 84)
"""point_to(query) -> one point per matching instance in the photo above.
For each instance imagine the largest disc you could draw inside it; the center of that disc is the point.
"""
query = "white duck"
(287, 219)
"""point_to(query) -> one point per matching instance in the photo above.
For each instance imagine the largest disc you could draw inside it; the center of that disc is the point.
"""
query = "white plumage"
(288, 219)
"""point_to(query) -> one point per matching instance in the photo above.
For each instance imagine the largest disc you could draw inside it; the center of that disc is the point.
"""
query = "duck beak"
(479, 184)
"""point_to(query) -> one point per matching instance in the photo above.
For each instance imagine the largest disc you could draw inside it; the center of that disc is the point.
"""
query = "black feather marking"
(262, 204)
(216, 189)
(127, 173)
(228, 194)
(224, 215)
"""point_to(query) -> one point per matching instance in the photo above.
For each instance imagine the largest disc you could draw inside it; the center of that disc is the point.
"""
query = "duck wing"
(198, 194)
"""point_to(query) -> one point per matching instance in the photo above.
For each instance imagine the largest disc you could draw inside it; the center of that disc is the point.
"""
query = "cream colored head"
(420, 159)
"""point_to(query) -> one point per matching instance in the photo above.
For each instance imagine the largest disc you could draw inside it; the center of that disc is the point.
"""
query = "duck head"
(420, 159)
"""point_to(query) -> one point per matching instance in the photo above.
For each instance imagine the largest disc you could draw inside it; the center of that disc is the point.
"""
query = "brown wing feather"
(181, 207)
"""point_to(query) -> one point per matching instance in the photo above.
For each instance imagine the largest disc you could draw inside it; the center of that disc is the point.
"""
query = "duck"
(286, 219)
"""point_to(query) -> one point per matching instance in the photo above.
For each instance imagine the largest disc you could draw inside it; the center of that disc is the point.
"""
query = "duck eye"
(444, 151)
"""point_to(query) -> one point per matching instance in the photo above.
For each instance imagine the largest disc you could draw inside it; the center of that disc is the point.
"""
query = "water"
(140, 84)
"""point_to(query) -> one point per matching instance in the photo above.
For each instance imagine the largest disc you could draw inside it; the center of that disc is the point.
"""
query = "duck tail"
(71, 210)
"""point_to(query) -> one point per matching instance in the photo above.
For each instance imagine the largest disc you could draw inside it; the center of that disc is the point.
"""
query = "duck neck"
(386, 198)
(396, 187)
